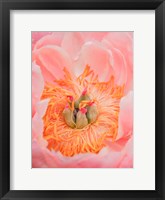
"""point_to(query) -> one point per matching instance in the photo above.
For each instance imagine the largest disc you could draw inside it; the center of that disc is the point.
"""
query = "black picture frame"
(5, 7)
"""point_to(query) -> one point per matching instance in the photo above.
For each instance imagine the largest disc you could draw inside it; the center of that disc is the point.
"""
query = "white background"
(142, 176)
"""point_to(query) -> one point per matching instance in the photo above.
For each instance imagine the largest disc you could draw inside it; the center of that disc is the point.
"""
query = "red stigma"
(84, 92)
(67, 105)
(91, 103)
(70, 98)
(83, 110)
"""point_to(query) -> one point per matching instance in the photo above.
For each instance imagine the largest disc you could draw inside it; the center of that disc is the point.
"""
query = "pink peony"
(82, 99)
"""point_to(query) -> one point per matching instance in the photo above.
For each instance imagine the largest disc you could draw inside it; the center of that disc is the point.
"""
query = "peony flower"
(82, 99)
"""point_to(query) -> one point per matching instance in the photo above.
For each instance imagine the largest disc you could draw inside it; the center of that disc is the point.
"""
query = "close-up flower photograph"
(82, 99)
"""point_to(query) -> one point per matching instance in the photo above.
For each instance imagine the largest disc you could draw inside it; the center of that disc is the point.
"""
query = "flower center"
(79, 120)
(81, 112)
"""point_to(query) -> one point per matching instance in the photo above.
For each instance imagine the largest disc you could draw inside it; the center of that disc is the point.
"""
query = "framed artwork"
(82, 97)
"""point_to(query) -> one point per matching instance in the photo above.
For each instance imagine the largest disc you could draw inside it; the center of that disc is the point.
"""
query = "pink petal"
(36, 35)
(94, 36)
(37, 122)
(123, 43)
(127, 161)
(97, 57)
(126, 116)
(54, 38)
(52, 60)
(42, 157)
(119, 66)
(118, 144)
(72, 43)
(37, 86)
